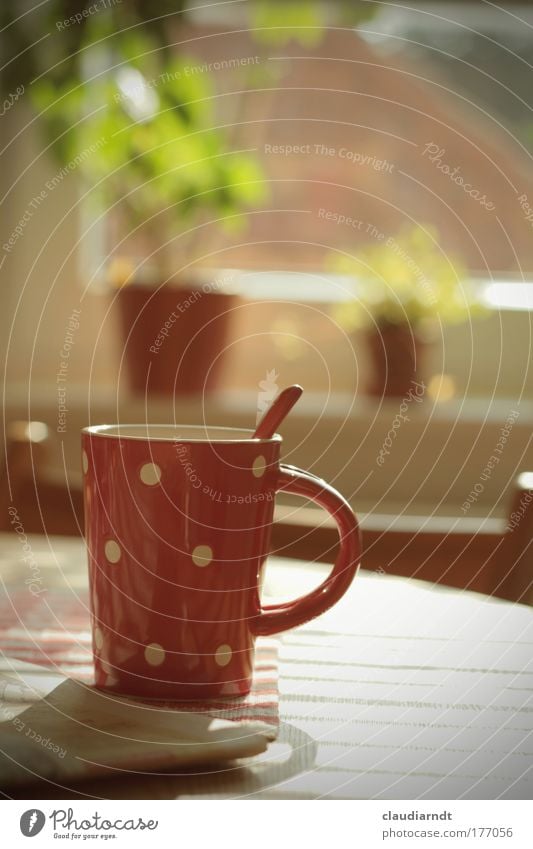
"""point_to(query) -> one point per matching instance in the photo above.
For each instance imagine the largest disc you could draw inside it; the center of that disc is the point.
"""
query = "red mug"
(178, 522)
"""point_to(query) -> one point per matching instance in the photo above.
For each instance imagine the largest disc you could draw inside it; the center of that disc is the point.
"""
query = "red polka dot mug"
(178, 522)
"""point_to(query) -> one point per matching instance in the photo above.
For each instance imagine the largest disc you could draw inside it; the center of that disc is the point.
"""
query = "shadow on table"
(292, 753)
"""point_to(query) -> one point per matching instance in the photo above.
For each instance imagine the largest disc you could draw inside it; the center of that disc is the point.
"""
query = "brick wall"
(374, 114)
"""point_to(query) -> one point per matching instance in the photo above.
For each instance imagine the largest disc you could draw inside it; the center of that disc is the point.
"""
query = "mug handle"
(280, 617)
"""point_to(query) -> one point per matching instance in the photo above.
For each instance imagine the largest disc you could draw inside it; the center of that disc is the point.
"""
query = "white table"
(401, 691)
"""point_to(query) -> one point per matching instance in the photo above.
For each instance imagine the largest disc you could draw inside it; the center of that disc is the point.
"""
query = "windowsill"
(435, 459)
(504, 292)
(337, 405)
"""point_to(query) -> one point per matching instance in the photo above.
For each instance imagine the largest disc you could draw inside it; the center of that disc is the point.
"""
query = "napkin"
(55, 725)
(59, 729)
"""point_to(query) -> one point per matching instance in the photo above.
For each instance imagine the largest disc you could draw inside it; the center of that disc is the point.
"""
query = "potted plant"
(132, 118)
(404, 287)
(118, 104)
(140, 124)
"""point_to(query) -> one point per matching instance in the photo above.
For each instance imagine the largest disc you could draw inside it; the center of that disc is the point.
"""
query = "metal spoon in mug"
(277, 411)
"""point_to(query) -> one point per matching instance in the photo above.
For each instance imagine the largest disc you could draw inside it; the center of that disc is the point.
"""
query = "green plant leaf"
(406, 277)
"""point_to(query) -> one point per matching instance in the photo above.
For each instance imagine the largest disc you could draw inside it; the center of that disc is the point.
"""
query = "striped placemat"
(53, 630)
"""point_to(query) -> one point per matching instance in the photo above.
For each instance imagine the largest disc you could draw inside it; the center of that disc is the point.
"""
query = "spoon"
(277, 411)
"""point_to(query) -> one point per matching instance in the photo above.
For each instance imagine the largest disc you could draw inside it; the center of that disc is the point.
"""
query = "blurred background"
(203, 203)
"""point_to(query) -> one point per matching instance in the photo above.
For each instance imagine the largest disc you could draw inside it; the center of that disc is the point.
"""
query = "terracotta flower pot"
(396, 355)
(174, 338)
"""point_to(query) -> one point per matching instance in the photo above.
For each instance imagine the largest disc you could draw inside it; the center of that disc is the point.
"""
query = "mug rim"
(117, 431)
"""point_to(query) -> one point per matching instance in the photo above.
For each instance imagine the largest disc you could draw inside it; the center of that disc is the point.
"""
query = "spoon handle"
(275, 414)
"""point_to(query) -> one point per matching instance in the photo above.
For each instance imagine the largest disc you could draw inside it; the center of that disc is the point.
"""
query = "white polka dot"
(223, 655)
(150, 474)
(202, 555)
(98, 638)
(154, 654)
(84, 462)
(112, 551)
(259, 466)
